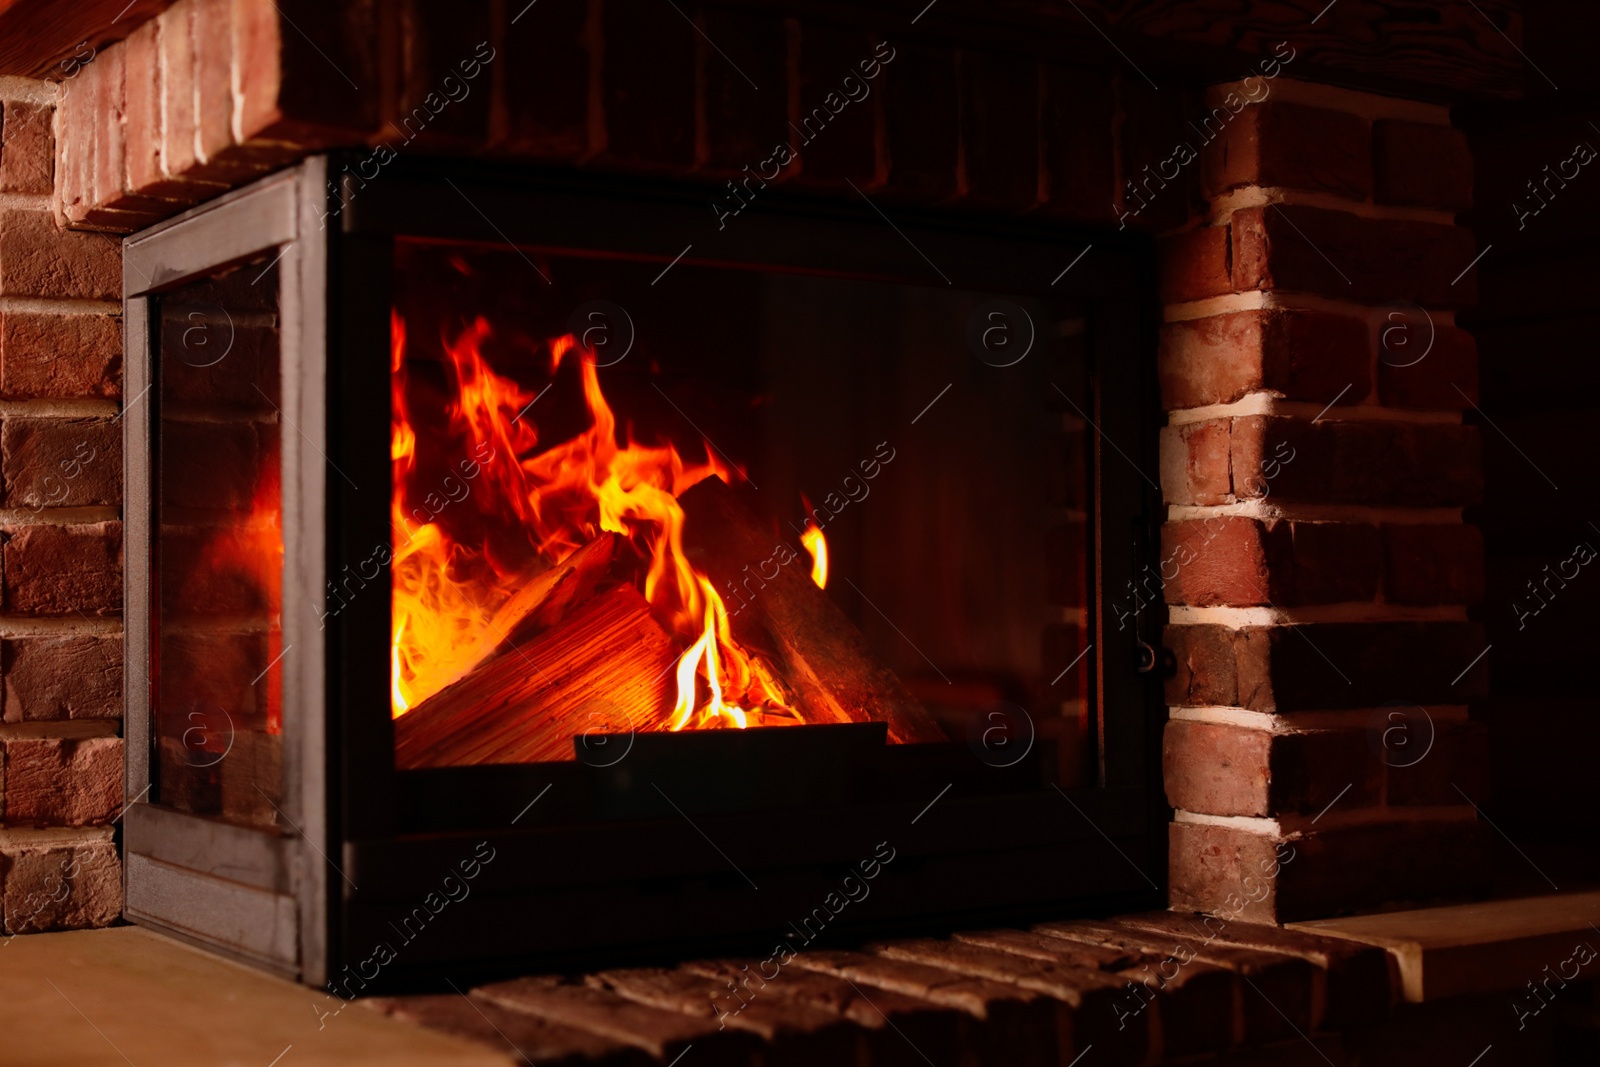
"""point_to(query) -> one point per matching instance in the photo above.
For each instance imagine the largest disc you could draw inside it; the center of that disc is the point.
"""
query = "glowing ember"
(817, 545)
(470, 536)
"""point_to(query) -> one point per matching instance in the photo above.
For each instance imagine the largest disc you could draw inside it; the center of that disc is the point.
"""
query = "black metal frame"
(566, 882)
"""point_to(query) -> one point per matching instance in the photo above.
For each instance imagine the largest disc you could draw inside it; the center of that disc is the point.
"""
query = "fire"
(514, 509)
(817, 545)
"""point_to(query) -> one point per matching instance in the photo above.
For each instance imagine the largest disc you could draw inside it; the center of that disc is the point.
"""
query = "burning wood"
(543, 602)
(820, 654)
(516, 687)
(606, 667)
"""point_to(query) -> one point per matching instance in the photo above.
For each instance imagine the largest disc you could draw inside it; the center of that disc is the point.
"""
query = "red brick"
(94, 162)
(795, 1031)
(1440, 564)
(1297, 355)
(1076, 120)
(649, 85)
(213, 34)
(1421, 165)
(922, 120)
(62, 888)
(1193, 1000)
(61, 462)
(1355, 462)
(315, 78)
(37, 259)
(1457, 763)
(1090, 998)
(177, 64)
(1196, 462)
(54, 678)
(1314, 250)
(142, 100)
(535, 1040)
(1207, 670)
(59, 355)
(545, 64)
(110, 186)
(27, 149)
(1328, 873)
(843, 144)
(742, 125)
(56, 782)
(1214, 360)
(1291, 146)
(892, 1021)
(1195, 264)
(74, 172)
(1219, 769)
(1017, 1026)
(1207, 868)
(1000, 128)
(1212, 769)
(1284, 983)
(64, 570)
(1244, 562)
(1446, 379)
(665, 1035)
(1356, 976)
(1220, 560)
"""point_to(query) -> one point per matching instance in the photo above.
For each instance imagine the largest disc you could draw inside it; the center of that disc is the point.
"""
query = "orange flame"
(817, 545)
(525, 509)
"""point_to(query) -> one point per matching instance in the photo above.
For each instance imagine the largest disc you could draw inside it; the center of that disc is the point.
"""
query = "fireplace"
(612, 573)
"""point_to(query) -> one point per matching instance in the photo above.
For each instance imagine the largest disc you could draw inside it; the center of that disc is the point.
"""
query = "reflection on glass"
(218, 554)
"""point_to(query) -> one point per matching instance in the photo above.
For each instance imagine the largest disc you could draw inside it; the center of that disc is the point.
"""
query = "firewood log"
(606, 668)
(776, 606)
(540, 603)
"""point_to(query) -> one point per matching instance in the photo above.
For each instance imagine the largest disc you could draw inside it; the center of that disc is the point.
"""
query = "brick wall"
(60, 541)
(1320, 753)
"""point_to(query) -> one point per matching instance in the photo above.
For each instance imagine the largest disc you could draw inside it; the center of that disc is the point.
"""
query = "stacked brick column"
(60, 541)
(1319, 751)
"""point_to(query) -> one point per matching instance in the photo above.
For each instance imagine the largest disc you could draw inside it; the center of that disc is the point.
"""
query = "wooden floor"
(121, 997)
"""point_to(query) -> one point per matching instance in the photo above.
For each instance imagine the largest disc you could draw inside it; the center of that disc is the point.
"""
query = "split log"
(543, 602)
(540, 604)
(606, 668)
(822, 657)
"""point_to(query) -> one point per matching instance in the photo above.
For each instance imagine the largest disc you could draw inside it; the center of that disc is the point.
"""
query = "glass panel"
(935, 438)
(218, 553)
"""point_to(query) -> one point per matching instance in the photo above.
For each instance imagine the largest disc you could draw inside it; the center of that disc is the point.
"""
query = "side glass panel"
(217, 553)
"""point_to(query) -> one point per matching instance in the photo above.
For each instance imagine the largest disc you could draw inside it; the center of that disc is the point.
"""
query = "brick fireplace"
(1311, 590)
